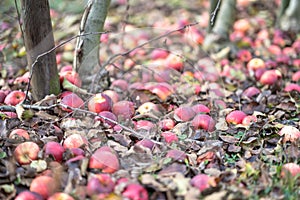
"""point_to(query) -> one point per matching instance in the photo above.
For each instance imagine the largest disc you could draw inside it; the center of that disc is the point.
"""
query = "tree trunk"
(86, 61)
(289, 15)
(39, 39)
(219, 33)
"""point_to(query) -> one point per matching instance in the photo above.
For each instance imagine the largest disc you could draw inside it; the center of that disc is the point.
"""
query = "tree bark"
(39, 39)
(86, 61)
(289, 15)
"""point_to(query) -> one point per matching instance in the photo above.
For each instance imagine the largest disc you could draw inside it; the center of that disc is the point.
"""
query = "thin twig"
(214, 13)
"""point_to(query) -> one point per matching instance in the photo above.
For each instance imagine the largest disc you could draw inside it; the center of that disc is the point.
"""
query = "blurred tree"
(86, 60)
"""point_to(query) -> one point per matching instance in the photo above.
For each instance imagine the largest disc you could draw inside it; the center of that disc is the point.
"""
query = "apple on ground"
(100, 102)
(235, 117)
(107, 118)
(135, 191)
(28, 195)
(14, 98)
(203, 182)
(54, 149)
(74, 141)
(184, 113)
(60, 196)
(169, 137)
(203, 121)
(176, 155)
(166, 124)
(105, 159)
(146, 143)
(123, 109)
(72, 100)
(44, 185)
(100, 183)
(19, 132)
(26, 152)
(289, 170)
(71, 76)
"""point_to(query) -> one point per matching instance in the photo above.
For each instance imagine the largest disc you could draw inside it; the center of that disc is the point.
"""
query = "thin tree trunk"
(38, 38)
(289, 15)
(86, 61)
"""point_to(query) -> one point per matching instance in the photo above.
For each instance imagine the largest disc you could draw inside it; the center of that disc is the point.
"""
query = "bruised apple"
(54, 149)
(123, 109)
(19, 132)
(107, 118)
(184, 113)
(100, 183)
(135, 191)
(100, 102)
(74, 141)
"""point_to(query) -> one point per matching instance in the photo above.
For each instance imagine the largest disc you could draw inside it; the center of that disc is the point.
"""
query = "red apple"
(74, 141)
(184, 114)
(26, 152)
(241, 25)
(60, 196)
(289, 170)
(250, 92)
(203, 121)
(109, 115)
(249, 119)
(270, 77)
(72, 100)
(166, 124)
(256, 63)
(100, 183)
(147, 107)
(123, 109)
(71, 76)
(100, 102)
(292, 86)
(235, 117)
(159, 54)
(27, 195)
(169, 137)
(146, 143)
(105, 159)
(14, 97)
(44, 185)
(135, 191)
(112, 94)
(54, 149)
(296, 76)
(200, 108)
(22, 79)
(19, 132)
(121, 84)
(244, 55)
(175, 62)
(66, 68)
(162, 90)
(144, 124)
(202, 182)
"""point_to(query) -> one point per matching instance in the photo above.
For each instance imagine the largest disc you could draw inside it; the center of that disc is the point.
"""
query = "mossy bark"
(39, 39)
(86, 61)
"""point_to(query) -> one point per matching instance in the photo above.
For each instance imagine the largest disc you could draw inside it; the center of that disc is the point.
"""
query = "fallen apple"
(107, 118)
(135, 191)
(27, 195)
(26, 152)
(14, 98)
(235, 117)
(184, 113)
(74, 141)
(169, 137)
(166, 124)
(203, 121)
(72, 100)
(123, 109)
(54, 149)
(19, 132)
(60, 196)
(100, 102)
(71, 76)
(100, 183)
(44, 185)
(105, 159)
